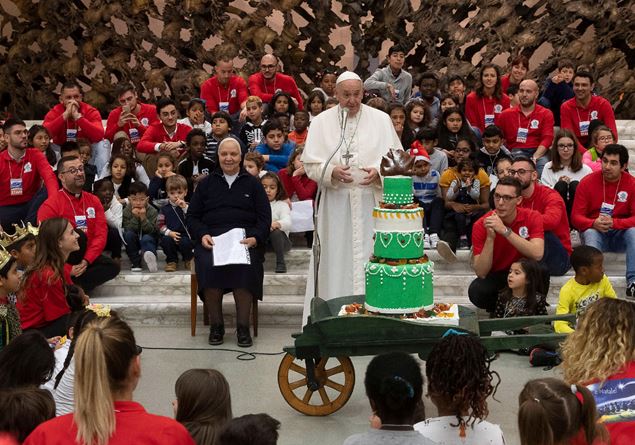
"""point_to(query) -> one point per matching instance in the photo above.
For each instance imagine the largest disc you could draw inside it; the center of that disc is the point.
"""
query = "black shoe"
(630, 290)
(463, 244)
(281, 267)
(216, 333)
(244, 338)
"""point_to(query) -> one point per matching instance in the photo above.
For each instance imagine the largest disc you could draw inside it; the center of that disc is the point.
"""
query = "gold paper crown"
(4, 257)
(20, 232)
(102, 310)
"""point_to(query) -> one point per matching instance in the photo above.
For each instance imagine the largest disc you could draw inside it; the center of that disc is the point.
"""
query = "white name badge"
(584, 128)
(81, 223)
(489, 119)
(71, 134)
(223, 106)
(607, 209)
(521, 136)
(15, 186)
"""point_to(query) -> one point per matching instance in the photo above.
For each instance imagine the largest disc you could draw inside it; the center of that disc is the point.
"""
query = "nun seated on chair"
(229, 198)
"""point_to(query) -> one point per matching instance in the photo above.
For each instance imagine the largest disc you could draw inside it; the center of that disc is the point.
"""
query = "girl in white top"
(280, 218)
(459, 383)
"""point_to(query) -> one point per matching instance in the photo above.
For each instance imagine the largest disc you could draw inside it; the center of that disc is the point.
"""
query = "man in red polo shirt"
(528, 127)
(225, 91)
(500, 238)
(166, 135)
(84, 211)
(269, 81)
(73, 119)
(22, 171)
(576, 114)
(131, 117)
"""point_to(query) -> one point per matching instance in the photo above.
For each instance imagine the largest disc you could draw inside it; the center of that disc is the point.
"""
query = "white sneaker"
(575, 238)
(136, 269)
(426, 241)
(151, 261)
(445, 251)
(434, 240)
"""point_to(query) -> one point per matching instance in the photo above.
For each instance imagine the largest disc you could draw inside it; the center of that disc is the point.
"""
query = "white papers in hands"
(302, 216)
(228, 249)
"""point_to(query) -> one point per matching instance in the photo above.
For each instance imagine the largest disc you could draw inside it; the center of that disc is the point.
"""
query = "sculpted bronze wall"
(102, 42)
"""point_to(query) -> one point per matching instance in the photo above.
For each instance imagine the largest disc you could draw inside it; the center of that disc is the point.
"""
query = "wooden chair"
(194, 305)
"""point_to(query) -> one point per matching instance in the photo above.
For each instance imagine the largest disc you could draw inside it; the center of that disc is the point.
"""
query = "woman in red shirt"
(489, 99)
(42, 302)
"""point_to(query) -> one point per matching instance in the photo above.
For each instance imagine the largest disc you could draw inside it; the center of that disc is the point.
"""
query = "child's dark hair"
(501, 159)
(470, 142)
(551, 412)
(313, 95)
(270, 125)
(51, 157)
(68, 146)
(533, 286)
(458, 371)
(193, 133)
(469, 162)
(565, 63)
(27, 360)
(394, 386)
(23, 410)
(18, 244)
(418, 103)
(78, 321)
(251, 429)
(281, 193)
(272, 104)
(4, 271)
(305, 112)
(444, 135)
(512, 89)
(222, 115)
(584, 256)
(102, 182)
(492, 131)
(426, 134)
(137, 187)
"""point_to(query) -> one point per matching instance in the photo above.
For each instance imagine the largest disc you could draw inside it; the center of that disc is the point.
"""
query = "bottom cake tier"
(399, 289)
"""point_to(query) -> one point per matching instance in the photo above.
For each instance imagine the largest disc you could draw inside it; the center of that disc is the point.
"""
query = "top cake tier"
(398, 190)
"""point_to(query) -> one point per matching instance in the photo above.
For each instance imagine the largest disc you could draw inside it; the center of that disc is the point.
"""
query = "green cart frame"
(316, 376)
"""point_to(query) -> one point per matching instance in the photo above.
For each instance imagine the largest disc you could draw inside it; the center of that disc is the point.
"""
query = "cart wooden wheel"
(335, 377)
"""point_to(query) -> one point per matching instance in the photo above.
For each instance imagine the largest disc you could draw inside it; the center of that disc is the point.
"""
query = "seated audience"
(250, 429)
(120, 177)
(281, 102)
(425, 184)
(40, 138)
(392, 82)
(107, 370)
(456, 87)
(175, 237)
(600, 355)
(558, 89)
(275, 150)
(268, 81)
(499, 239)
(72, 119)
(166, 168)
(225, 91)
(492, 150)
(512, 93)
(195, 117)
(22, 245)
(28, 361)
(280, 218)
(418, 115)
(428, 90)
(326, 84)
(90, 170)
(123, 147)
(203, 404)
(426, 138)
(166, 135)
(23, 409)
(397, 114)
(195, 166)
(43, 303)
(140, 229)
(113, 210)
(600, 138)
(251, 132)
(221, 128)
(607, 221)
(488, 100)
(523, 295)
(587, 286)
(378, 103)
(131, 116)
(552, 412)
(394, 386)
(317, 103)
(517, 72)
(254, 164)
(451, 128)
(459, 382)
(448, 101)
(298, 186)
(301, 124)
(9, 285)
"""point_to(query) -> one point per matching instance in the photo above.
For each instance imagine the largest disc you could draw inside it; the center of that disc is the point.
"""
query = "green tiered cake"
(399, 275)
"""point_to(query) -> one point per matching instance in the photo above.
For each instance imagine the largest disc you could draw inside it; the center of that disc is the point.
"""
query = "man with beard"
(225, 91)
(84, 211)
(528, 128)
(132, 116)
(269, 81)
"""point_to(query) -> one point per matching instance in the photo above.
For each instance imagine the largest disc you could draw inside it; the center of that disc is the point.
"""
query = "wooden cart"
(316, 376)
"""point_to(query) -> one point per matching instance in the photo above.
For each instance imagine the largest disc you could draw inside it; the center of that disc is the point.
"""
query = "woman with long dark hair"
(488, 100)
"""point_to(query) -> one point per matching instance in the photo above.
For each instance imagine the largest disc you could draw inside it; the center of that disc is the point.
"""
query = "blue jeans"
(171, 248)
(556, 257)
(136, 243)
(615, 241)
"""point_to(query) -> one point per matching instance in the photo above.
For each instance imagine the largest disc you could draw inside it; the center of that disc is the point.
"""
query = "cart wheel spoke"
(335, 370)
(297, 384)
(307, 396)
(336, 386)
(297, 368)
(321, 364)
(324, 396)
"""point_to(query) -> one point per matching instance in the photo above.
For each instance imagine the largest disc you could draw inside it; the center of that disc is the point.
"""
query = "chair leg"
(193, 303)
(254, 316)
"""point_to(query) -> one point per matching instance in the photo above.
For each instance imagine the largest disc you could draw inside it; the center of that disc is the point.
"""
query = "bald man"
(269, 81)
(528, 128)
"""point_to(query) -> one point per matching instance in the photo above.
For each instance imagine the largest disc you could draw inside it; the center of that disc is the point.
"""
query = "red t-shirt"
(528, 225)
(31, 170)
(147, 116)
(571, 114)
(593, 190)
(156, 134)
(505, 83)
(45, 298)
(234, 94)
(537, 127)
(303, 186)
(550, 205)
(77, 209)
(134, 425)
(88, 126)
(298, 138)
(266, 89)
(477, 108)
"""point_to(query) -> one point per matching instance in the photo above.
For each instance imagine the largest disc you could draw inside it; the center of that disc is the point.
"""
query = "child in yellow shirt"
(588, 285)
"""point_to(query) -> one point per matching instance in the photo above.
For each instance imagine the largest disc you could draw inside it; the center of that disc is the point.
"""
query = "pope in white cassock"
(351, 188)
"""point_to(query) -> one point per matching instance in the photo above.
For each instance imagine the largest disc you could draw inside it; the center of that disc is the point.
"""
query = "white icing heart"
(404, 239)
(417, 239)
(383, 237)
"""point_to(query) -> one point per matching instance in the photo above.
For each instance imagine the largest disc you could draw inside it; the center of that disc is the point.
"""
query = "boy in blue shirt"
(275, 150)
(425, 182)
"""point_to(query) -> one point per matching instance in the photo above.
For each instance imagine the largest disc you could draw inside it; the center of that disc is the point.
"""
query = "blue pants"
(171, 248)
(615, 241)
(136, 243)
(433, 215)
(556, 257)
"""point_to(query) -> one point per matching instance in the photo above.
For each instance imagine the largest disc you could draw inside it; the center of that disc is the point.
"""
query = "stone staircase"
(164, 298)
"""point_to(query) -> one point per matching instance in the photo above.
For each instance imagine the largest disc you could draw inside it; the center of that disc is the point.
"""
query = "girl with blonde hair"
(107, 371)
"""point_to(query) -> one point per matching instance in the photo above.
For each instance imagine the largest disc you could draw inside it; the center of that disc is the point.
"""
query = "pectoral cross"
(347, 156)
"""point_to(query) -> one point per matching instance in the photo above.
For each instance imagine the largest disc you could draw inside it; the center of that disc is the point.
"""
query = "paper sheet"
(228, 249)
(302, 216)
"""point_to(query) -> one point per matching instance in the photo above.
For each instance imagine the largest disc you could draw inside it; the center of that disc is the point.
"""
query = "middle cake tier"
(397, 245)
